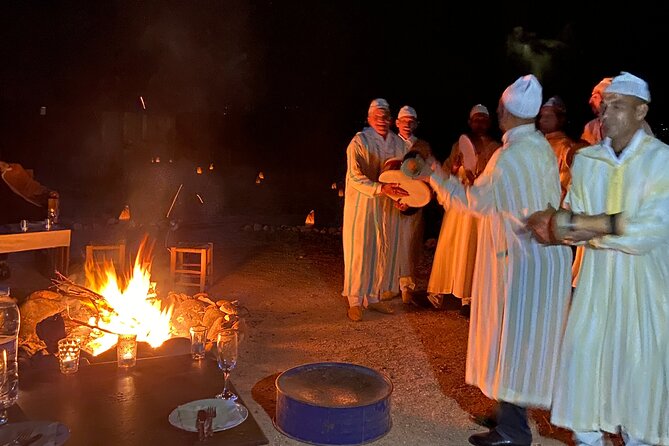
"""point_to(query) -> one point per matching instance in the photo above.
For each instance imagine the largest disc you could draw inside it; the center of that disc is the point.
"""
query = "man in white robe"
(521, 288)
(613, 372)
(411, 219)
(455, 255)
(371, 221)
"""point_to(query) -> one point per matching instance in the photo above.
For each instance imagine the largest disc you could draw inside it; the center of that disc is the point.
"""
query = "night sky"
(283, 86)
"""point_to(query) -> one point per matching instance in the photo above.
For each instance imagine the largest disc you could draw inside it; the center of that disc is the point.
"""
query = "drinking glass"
(198, 341)
(24, 225)
(126, 350)
(69, 350)
(226, 355)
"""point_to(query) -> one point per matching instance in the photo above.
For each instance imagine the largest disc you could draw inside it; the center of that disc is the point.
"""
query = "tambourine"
(419, 192)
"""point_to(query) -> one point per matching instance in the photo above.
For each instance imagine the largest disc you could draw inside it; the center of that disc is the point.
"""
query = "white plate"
(228, 414)
(53, 433)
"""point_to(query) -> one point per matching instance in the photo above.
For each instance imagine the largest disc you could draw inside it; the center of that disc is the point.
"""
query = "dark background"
(279, 87)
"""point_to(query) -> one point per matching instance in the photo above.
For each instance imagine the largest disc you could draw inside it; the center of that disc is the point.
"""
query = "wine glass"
(226, 355)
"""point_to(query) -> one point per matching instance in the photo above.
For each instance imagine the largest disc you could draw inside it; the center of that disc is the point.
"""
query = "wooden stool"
(110, 253)
(192, 264)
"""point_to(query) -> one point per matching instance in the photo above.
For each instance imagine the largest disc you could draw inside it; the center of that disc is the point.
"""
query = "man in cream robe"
(371, 222)
(411, 229)
(521, 288)
(613, 372)
(455, 255)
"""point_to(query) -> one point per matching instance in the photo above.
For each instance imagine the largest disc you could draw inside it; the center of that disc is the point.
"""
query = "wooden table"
(57, 240)
(104, 405)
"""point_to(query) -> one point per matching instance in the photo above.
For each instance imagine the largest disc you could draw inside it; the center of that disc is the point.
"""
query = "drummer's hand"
(401, 206)
(469, 175)
(393, 189)
(539, 223)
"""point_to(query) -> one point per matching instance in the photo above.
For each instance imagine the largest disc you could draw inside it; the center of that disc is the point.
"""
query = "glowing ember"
(132, 306)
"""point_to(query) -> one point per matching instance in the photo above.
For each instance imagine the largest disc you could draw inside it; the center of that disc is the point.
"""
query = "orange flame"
(311, 219)
(131, 307)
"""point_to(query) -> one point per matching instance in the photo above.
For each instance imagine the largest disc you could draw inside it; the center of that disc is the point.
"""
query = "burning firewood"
(83, 310)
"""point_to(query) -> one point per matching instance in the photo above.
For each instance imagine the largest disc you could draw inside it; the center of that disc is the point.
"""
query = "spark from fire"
(211, 166)
(198, 170)
(199, 198)
(143, 104)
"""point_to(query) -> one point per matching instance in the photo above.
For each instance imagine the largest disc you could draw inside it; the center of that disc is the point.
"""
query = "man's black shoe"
(487, 420)
(493, 438)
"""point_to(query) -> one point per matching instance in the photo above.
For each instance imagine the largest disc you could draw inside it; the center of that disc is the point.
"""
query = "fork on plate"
(209, 425)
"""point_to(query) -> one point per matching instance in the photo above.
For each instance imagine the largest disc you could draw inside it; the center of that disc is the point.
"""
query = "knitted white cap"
(479, 108)
(556, 102)
(379, 103)
(629, 85)
(407, 111)
(523, 97)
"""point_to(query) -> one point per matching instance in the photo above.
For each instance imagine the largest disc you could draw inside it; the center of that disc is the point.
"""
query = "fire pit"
(127, 303)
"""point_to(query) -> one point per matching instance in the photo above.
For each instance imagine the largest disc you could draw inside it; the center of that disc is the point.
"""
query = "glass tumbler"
(69, 350)
(126, 350)
(198, 341)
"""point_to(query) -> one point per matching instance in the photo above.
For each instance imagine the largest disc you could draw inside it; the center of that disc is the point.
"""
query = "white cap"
(479, 108)
(379, 103)
(407, 111)
(601, 86)
(523, 97)
(629, 85)
(556, 102)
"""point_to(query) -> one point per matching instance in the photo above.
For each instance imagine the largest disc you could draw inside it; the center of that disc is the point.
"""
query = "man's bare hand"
(539, 224)
(401, 206)
(393, 190)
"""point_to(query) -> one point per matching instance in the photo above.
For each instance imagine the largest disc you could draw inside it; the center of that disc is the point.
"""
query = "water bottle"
(10, 321)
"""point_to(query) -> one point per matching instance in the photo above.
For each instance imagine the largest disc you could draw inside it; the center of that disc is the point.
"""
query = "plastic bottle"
(10, 321)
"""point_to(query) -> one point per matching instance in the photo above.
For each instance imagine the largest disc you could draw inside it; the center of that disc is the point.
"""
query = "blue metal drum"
(333, 403)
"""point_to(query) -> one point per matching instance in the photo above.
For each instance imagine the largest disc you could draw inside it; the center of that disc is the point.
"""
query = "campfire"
(125, 302)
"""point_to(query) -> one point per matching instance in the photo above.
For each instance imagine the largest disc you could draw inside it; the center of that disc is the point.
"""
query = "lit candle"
(68, 355)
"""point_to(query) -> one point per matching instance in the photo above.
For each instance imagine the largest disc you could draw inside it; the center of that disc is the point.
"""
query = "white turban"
(378, 103)
(407, 111)
(629, 85)
(479, 108)
(523, 97)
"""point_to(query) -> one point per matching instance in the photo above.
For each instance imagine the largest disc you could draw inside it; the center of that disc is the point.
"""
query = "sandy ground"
(289, 283)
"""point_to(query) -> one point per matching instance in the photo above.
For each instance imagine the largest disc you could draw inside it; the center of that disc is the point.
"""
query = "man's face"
(406, 125)
(548, 120)
(596, 103)
(622, 115)
(479, 123)
(379, 119)
(501, 116)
